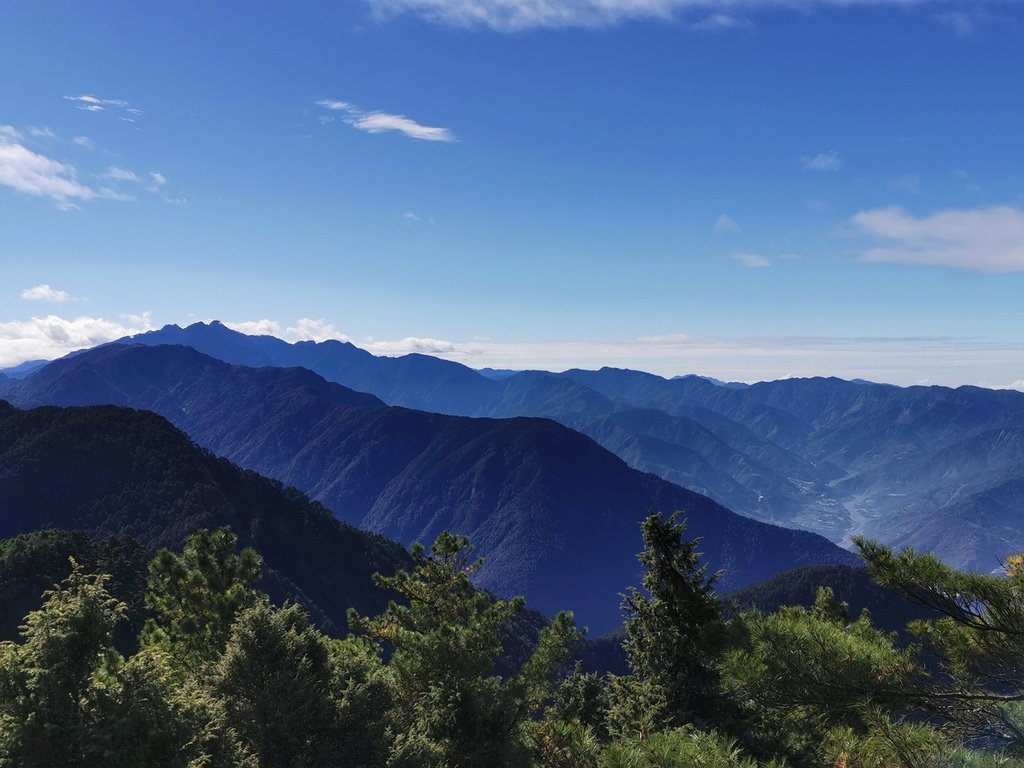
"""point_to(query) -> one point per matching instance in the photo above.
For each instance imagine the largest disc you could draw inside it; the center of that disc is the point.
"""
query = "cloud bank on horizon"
(904, 361)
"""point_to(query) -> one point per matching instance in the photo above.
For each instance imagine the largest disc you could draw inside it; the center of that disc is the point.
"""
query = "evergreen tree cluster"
(217, 675)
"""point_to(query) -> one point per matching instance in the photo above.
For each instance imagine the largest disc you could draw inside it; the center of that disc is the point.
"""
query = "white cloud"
(411, 344)
(824, 161)
(383, 122)
(726, 224)
(518, 15)
(752, 260)
(9, 132)
(45, 293)
(84, 141)
(340, 106)
(42, 133)
(46, 338)
(38, 175)
(92, 103)
(153, 182)
(980, 239)
(256, 327)
(114, 173)
(308, 329)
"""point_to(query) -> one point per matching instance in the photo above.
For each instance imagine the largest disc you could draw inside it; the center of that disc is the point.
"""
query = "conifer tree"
(452, 710)
(673, 624)
(47, 682)
(274, 680)
(196, 596)
(979, 641)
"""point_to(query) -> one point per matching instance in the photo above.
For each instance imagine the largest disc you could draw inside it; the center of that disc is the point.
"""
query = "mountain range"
(554, 514)
(933, 468)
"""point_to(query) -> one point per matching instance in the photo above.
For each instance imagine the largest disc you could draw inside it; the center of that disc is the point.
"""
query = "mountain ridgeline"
(554, 514)
(934, 468)
(108, 471)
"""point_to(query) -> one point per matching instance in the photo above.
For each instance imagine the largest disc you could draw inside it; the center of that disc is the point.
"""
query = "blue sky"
(748, 189)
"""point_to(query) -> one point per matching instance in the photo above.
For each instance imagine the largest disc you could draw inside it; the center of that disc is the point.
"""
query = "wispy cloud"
(752, 260)
(519, 15)
(91, 103)
(84, 142)
(722, 22)
(383, 122)
(824, 161)
(114, 173)
(153, 182)
(50, 337)
(980, 239)
(45, 293)
(38, 175)
(726, 223)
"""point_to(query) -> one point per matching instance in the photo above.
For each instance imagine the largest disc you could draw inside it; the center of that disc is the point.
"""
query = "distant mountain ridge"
(555, 515)
(929, 467)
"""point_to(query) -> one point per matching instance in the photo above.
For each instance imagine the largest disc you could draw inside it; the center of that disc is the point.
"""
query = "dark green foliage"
(802, 672)
(679, 748)
(225, 680)
(365, 694)
(979, 640)
(33, 562)
(581, 697)
(673, 626)
(452, 711)
(890, 611)
(196, 596)
(275, 679)
(46, 683)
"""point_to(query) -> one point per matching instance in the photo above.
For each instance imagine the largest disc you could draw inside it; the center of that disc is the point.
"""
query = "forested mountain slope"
(930, 467)
(111, 471)
(554, 514)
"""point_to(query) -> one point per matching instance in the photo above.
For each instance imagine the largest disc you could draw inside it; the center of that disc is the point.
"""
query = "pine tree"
(452, 710)
(979, 641)
(673, 624)
(196, 596)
